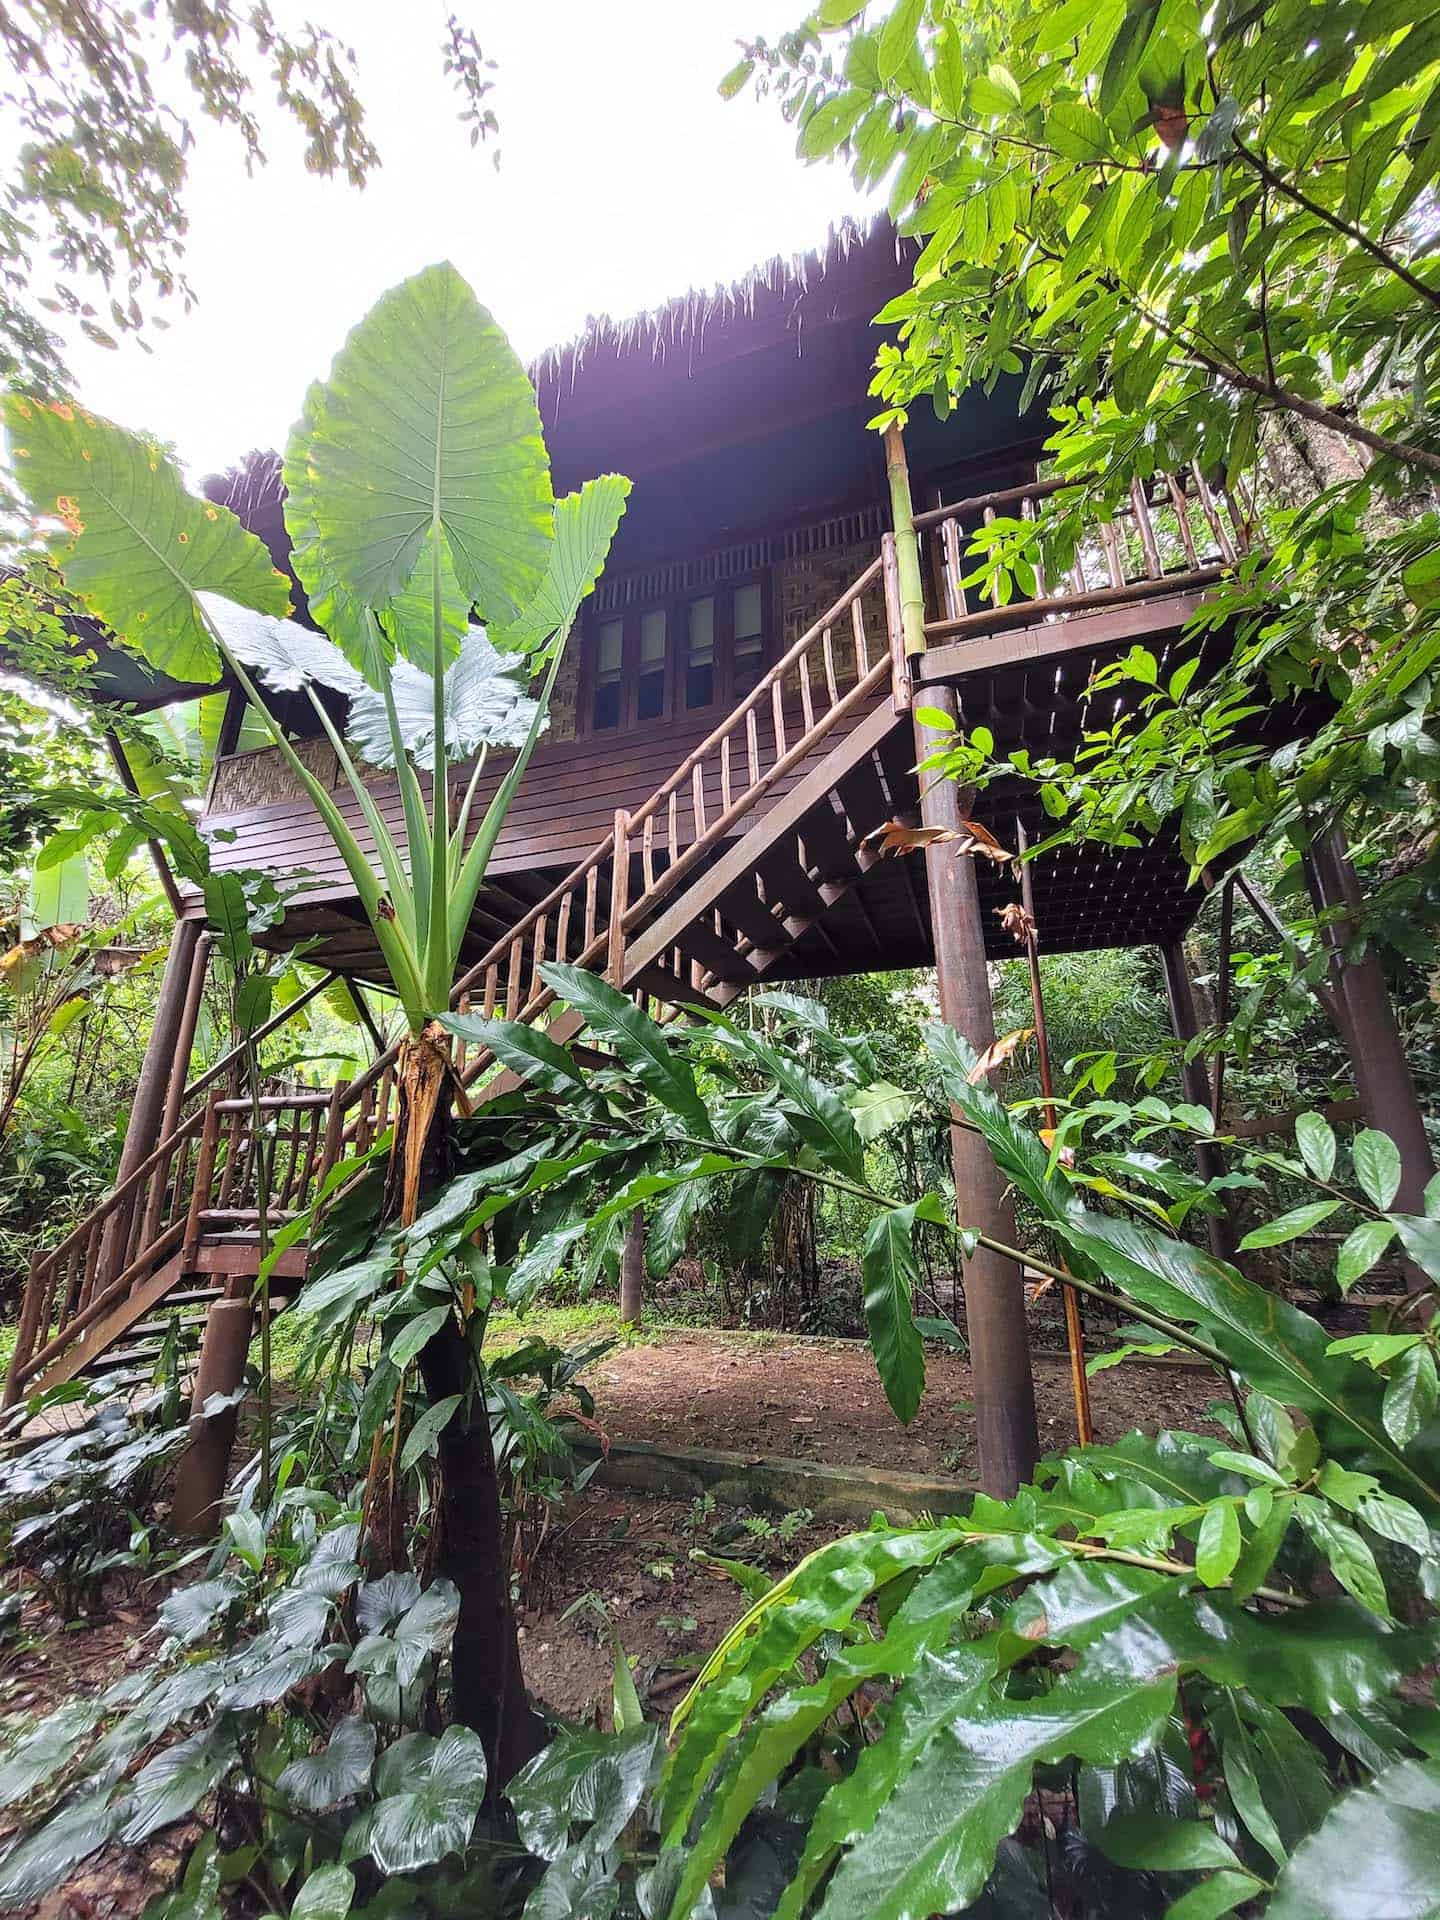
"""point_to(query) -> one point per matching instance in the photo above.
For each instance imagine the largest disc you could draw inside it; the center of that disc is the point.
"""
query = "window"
(696, 654)
(700, 653)
(650, 685)
(609, 662)
(749, 645)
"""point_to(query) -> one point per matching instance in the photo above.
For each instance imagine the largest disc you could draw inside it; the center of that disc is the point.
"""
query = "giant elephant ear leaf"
(427, 425)
(585, 525)
(485, 706)
(131, 542)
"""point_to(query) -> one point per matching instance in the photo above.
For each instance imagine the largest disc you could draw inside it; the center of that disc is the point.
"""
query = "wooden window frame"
(676, 610)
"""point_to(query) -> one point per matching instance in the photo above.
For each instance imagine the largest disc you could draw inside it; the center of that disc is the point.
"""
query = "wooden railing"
(1172, 534)
(202, 1179)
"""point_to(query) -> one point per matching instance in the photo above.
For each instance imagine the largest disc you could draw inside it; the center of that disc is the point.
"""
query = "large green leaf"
(342, 1767)
(891, 1273)
(1276, 1348)
(934, 1847)
(1377, 1853)
(430, 1792)
(485, 705)
(177, 1780)
(585, 525)
(42, 1858)
(640, 1044)
(583, 1775)
(816, 1111)
(40, 1753)
(134, 545)
(428, 424)
(819, 1595)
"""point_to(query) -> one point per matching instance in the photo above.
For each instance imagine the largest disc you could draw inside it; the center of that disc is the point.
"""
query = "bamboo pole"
(1074, 1327)
(911, 577)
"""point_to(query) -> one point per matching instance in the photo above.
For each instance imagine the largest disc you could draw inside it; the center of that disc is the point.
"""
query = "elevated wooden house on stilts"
(734, 721)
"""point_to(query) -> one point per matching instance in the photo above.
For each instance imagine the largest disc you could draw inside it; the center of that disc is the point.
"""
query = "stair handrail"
(763, 690)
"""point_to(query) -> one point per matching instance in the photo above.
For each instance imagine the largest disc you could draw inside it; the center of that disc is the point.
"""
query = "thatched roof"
(788, 289)
(786, 283)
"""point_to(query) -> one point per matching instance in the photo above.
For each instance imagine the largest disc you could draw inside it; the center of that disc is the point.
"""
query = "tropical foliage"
(1199, 238)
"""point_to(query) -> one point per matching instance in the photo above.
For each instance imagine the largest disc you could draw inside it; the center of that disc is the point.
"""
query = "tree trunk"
(632, 1270)
(489, 1688)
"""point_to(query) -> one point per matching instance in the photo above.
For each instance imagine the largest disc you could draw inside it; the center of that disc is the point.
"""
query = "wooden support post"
(147, 1109)
(185, 1039)
(632, 1270)
(1195, 1081)
(1074, 1326)
(205, 1464)
(619, 899)
(1003, 1388)
(1222, 997)
(367, 1018)
(1372, 1037)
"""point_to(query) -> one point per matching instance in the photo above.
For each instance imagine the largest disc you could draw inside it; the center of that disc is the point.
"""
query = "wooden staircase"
(699, 893)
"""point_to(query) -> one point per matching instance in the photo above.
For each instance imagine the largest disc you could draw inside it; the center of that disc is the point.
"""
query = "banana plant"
(418, 491)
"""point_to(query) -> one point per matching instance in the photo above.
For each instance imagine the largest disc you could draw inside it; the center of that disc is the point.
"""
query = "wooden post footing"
(205, 1464)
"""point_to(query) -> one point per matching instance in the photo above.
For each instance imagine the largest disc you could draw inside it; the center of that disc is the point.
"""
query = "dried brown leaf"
(998, 1052)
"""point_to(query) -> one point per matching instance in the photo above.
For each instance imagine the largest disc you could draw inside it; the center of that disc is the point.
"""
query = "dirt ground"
(785, 1394)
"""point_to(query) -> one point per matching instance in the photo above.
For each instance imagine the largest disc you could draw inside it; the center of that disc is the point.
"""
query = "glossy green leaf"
(1360, 1250)
(1315, 1138)
(1351, 1561)
(429, 1792)
(134, 545)
(1377, 1166)
(1217, 1547)
(891, 1273)
(636, 1039)
(424, 1436)
(586, 523)
(341, 1768)
(178, 1779)
(936, 1847)
(1222, 1893)
(198, 1895)
(427, 423)
(818, 1595)
(1375, 1854)
(327, 1894)
(583, 1775)
(417, 1333)
(526, 1050)
(1151, 1842)
(1289, 1226)
(1411, 1393)
(42, 1858)
(38, 1754)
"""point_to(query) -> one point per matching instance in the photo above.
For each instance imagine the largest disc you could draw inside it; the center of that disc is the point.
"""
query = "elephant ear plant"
(445, 577)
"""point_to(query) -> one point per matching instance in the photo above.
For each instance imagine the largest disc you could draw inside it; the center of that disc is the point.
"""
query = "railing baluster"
(752, 749)
(807, 703)
(512, 983)
(619, 899)
(827, 652)
(956, 604)
(1182, 516)
(1153, 569)
(862, 651)
(672, 823)
(562, 931)
(647, 851)
(492, 981)
(537, 953)
(777, 709)
(725, 801)
(1114, 559)
(592, 887)
(697, 798)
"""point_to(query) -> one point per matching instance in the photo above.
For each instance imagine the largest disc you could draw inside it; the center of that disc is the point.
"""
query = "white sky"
(624, 179)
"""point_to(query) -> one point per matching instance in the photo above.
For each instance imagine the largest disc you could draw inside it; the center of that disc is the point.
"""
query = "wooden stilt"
(1004, 1389)
(1377, 1053)
(205, 1464)
(632, 1270)
(1074, 1326)
(147, 1109)
(1209, 1162)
